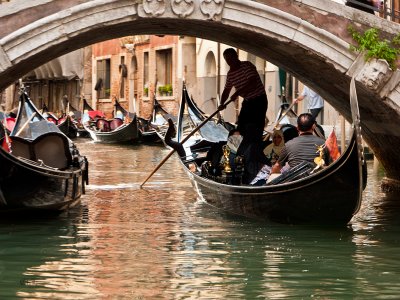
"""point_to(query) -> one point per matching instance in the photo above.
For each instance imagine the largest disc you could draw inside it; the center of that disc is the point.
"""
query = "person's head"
(277, 137)
(231, 57)
(11, 114)
(305, 122)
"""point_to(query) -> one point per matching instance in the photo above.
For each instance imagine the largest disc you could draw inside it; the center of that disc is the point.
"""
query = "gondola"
(76, 117)
(65, 124)
(117, 130)
(330, 196)
(7, 121)
(84, 116)
(41, 169)
(68, 126)
(152, 129)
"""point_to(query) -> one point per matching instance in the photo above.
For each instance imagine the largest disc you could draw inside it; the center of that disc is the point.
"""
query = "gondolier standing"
(243, 76)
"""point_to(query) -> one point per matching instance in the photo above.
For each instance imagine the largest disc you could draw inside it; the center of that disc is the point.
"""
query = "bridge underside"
(290, 34)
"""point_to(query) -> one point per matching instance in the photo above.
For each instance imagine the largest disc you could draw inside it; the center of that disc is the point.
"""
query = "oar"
(183, 141)
(280, 119)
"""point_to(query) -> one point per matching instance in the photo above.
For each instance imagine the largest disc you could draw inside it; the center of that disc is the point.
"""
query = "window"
(164, 71)
(103, 78)
(123, 73)
(146, 73)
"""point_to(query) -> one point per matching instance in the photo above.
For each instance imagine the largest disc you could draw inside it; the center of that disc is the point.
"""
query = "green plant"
(161, 89)
(375, 47)
(146, 91)
(168, 89)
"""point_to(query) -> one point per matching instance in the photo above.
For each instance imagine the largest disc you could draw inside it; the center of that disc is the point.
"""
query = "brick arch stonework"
(307, 38)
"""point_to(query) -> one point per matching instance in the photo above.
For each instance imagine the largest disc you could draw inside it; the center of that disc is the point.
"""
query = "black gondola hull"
(330, 196)
(25, 185)
(68, 128)
(124, 133)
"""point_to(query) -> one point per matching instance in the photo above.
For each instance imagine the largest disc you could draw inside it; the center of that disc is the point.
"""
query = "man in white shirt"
(315, 101)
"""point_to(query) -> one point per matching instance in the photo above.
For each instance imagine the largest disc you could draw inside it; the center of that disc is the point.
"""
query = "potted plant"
(146, 91)
(161, 90)
(168, 89)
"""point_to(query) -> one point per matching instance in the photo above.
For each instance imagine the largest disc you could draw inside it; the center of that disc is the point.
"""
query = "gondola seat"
(51, 119)
(21, 147)
(103, 125)
(115, 123)
(53, 150)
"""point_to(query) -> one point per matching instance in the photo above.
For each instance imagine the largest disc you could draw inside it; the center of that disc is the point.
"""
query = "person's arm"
(302, 95)
(298, 99)
(276, 168)
(224, 97)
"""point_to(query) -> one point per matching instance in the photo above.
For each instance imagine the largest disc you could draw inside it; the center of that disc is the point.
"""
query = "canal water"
(159, 242)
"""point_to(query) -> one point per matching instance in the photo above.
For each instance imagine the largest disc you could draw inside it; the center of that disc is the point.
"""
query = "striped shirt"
(245, 75)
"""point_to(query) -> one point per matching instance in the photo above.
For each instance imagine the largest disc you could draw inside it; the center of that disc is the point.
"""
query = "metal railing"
(388, 9)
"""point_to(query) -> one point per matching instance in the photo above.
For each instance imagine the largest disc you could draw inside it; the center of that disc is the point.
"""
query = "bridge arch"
(309, 39)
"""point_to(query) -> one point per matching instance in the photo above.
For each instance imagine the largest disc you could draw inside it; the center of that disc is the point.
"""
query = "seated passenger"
(304, 147)
(273, 150)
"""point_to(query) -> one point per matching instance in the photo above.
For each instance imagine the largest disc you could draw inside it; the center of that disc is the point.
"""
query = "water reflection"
(161, 243)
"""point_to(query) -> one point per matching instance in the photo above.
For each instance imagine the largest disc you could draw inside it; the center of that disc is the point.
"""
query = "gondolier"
(243, 76)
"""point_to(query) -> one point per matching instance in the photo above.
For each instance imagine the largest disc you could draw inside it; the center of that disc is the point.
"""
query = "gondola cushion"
(53, 149)
(22, 148)
(103, 125)
(115, 123)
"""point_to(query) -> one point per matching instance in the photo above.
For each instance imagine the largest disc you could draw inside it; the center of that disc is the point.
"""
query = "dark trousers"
(253, 111)
(315, 112)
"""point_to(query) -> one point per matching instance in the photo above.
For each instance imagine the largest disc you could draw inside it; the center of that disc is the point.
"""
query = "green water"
(160, 243)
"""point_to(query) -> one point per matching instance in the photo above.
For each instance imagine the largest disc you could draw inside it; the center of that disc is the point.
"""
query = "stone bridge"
(307, 38)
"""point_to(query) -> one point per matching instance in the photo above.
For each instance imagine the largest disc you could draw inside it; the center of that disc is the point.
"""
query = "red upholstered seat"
(103, 125)
(10, 122)
(51, 119)
(115, 123)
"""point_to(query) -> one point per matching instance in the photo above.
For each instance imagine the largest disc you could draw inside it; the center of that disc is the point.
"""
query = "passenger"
(273, 150)
(243, 76)
(302, 148)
